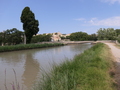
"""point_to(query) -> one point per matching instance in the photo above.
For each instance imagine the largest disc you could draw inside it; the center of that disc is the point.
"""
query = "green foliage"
(30, 24)
(106, 34)
(88, 71)
(11, 37)
(117, 32)
(78, 36)
(118, 38)
(63, 37)
(92, 37)
(41, 38)
(1, 37)
(67, 37)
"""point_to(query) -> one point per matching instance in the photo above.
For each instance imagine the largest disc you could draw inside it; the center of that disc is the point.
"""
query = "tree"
(1, 38)
(92, 37)
(79, 36)
(30, 24)
(41, 38)
(106, 34)
(13, 36)
(117, 32)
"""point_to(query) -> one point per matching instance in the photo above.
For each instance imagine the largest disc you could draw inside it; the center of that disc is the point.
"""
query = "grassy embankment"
(27, 46)
(88, 71)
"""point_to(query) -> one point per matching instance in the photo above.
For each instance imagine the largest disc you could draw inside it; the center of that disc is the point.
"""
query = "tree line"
(108, 34)
(15, 36)
(30, 27)
(102, 34)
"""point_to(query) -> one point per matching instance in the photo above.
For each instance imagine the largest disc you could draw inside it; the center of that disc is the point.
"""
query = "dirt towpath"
(116, 53)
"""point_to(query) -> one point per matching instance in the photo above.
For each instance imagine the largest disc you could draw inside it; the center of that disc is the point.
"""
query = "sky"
(65, 16)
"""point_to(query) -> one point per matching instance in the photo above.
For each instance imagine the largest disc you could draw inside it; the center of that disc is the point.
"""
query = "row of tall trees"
(11, 37)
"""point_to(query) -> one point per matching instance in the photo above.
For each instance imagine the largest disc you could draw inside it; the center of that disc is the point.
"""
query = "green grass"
(88, 71)
(27, 46)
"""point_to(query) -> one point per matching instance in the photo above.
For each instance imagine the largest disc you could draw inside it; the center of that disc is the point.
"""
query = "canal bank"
(28, 46)
(30, 64)
(40, 45)
(87, 71)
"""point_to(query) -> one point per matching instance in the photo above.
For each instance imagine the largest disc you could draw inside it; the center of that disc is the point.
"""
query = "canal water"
(25, 67)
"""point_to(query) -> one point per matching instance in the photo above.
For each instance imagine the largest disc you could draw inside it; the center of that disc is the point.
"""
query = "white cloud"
(113, 21)
(111, 1)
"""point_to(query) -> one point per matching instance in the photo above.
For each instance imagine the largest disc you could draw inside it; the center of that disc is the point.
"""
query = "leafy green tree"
(30, 24)
(92, 37)
(62, 37)
(67, 37)
(13, 36)
(118, 38)
(1, 38)
(117, 32)
(106, 34)
(78, 36)
(41, 38)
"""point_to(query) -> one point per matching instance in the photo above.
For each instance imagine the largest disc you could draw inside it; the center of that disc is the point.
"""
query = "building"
(57, 36)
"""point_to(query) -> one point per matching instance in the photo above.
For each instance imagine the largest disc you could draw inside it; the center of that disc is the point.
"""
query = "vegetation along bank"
(27, 46)
(88, 71)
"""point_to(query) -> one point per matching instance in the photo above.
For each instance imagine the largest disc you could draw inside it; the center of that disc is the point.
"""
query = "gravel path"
(116, 53)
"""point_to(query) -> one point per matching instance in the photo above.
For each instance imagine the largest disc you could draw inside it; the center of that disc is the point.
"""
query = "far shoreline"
(28, 46)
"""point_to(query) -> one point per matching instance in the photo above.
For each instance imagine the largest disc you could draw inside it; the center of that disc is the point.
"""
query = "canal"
(26, 66)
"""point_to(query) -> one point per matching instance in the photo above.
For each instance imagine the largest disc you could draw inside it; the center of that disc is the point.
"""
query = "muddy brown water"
(29, 64)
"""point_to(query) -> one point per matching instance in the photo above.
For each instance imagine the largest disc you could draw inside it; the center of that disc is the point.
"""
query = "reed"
(14, 85)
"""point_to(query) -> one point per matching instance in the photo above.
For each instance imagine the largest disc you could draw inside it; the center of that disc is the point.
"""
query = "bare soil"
(116, 53)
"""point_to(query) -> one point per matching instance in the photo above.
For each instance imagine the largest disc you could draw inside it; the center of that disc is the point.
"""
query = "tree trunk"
(2, 44)
(24, 39)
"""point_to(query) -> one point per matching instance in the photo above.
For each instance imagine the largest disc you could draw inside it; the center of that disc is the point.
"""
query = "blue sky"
(65, 16)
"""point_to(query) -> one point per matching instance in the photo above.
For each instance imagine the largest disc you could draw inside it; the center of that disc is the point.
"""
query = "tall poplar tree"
(30, 24)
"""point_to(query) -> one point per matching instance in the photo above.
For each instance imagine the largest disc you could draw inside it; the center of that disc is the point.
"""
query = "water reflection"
(31, 68)
(28, 63)
(8, 62)
(79, 47)
(14, 57)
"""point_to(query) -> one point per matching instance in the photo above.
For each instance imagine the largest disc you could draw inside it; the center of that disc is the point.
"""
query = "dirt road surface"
(116, 53)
